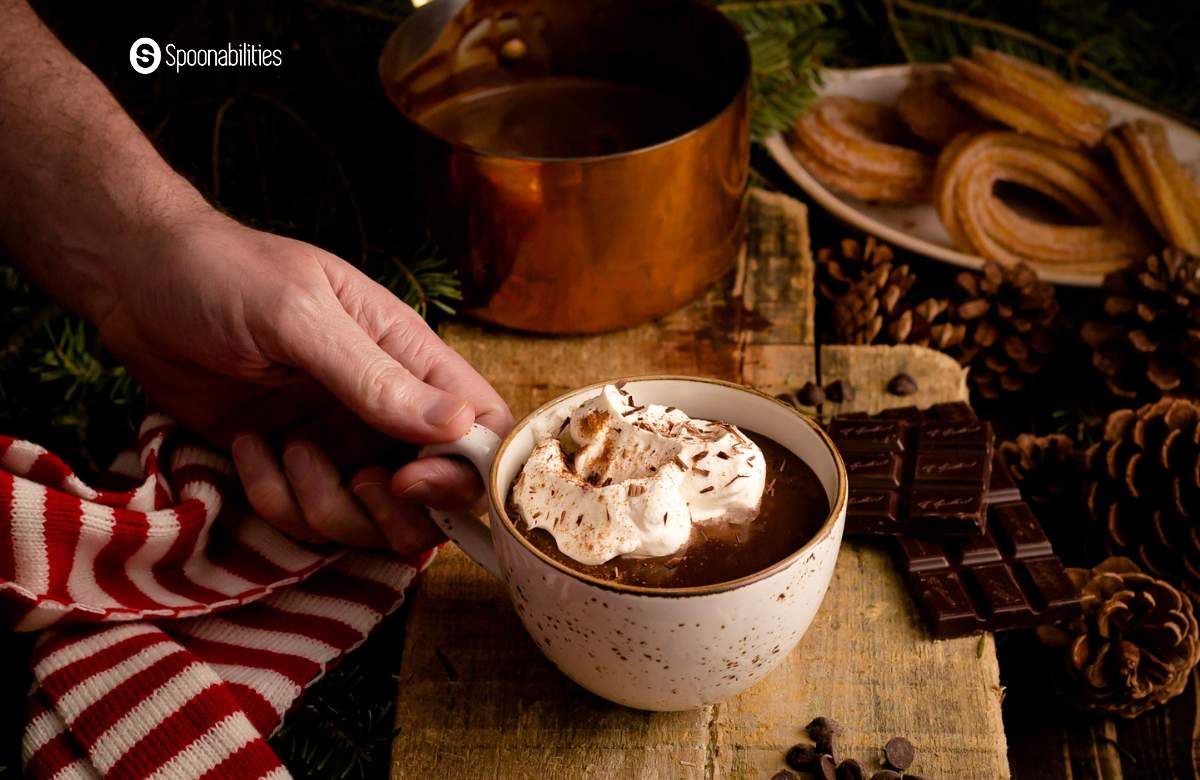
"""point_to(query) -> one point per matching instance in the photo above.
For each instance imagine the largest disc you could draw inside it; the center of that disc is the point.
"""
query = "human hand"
(234, 332)
(273, 345)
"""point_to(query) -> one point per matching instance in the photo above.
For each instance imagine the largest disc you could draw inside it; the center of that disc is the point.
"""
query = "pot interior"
(553, 79)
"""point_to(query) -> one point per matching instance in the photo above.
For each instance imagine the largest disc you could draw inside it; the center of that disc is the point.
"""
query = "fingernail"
(417, 491)
(376, 498)
(297, 462)
(444, 411)
(246, 451)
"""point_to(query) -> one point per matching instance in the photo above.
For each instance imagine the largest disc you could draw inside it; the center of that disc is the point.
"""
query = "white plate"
(917, 227)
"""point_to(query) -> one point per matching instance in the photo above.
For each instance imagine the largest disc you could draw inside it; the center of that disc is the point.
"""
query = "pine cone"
(1144, 488)
(878, 309)
(1044, 467)
(1009, 317)
(1148, 343)
(1134, 646)
(838, 271)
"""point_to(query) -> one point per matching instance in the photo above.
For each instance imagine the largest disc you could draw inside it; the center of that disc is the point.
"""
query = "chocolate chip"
(886, 774)
(801, 757)
(851, 769)
(826, 768)
(902, 384)
(840, 392)
(783, 774)
(822, 731)
(811, 394)
(898, 753)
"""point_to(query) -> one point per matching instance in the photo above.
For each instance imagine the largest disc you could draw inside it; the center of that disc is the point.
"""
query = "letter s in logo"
(144, 55)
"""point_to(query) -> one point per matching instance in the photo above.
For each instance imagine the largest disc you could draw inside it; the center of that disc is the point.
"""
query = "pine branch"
(73, 361)
(1100, 43)
(785, 47)
(1103, 44)
(423, 282)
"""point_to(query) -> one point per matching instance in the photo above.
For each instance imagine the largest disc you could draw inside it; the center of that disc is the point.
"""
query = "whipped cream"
(622, 478)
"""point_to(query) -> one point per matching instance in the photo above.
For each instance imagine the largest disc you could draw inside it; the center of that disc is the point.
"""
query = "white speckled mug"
(657, 648)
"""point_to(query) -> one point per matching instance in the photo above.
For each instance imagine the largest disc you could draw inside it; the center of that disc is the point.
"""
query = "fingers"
(327, 504)
(384, 362)
(267, 489)
(413, 343)
(303, 495)
(404, 335)
(441, 483)
(338, 353)
(406, 524)
(348, 441)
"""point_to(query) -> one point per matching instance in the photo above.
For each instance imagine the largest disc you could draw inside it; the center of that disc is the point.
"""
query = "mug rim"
(497, 502)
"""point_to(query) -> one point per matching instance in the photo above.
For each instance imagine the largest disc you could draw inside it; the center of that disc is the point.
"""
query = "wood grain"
(477, 699)
(869, 369)
(868, 663)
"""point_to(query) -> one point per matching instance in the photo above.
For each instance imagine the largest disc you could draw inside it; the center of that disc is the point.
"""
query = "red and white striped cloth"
(178, 627)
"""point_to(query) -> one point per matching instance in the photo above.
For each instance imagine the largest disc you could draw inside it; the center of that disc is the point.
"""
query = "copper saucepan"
(584, 161)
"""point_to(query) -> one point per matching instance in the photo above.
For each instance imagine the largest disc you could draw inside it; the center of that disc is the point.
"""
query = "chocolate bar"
(1007, 578)
(915, 472)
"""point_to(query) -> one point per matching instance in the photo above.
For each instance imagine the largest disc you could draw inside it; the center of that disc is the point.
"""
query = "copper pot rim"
(739, 95)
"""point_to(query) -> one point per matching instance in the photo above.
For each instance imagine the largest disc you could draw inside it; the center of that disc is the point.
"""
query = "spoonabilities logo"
(145, 56)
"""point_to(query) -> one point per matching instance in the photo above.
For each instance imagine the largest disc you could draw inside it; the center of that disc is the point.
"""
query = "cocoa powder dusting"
(794, 507)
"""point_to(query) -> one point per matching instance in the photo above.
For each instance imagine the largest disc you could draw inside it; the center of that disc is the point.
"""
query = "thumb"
(374, 385)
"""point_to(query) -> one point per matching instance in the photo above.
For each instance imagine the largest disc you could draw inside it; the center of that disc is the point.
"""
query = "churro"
(1106, 237)
(850, 145)
(932, 112)
(1169, 197)
(1028, 98)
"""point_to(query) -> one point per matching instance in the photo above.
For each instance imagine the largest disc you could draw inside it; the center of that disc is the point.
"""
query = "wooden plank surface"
(869, 369)
(478, 700)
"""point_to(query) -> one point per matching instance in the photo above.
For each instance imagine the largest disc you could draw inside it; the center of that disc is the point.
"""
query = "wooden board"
(869, 369)
(477, 699)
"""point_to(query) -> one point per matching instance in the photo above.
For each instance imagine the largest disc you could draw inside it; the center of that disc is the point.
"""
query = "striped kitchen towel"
(177, 627)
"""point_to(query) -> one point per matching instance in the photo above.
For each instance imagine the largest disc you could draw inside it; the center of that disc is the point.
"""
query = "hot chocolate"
(645, 495)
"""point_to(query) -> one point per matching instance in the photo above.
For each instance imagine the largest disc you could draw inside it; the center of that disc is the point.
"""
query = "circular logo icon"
(144, 55)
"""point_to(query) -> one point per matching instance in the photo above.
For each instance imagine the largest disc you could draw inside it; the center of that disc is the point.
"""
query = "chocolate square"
(937, 463)
(1005, 578)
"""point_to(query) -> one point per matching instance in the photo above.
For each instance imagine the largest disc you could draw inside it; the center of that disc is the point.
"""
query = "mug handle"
(479, 446)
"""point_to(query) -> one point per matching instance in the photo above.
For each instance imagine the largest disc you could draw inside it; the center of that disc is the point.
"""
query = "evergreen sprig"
(786, 44)
(1116, 47)
(423, 281)
(1110, 45)
(76, 365)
